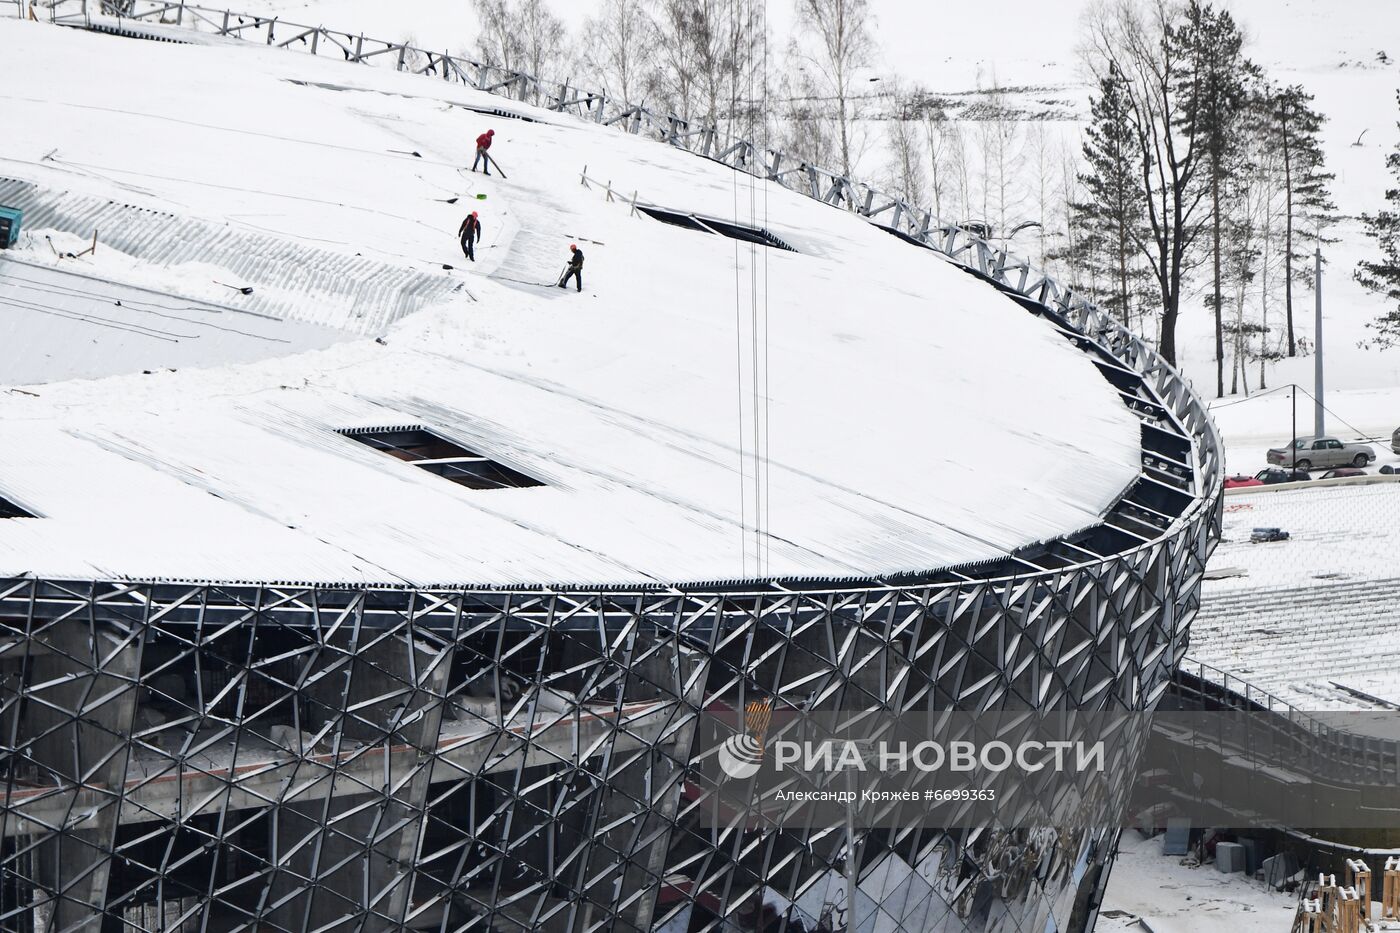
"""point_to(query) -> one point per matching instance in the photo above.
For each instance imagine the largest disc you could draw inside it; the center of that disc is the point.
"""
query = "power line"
(1359, 433)
(1297, 388)
(1257, 395)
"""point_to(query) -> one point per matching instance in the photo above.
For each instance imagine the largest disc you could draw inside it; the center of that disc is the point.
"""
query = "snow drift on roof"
(905, 416)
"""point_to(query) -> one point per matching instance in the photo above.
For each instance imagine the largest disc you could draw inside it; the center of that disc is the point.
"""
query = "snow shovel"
(241, 289)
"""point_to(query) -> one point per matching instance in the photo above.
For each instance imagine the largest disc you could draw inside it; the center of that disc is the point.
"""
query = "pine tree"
(1382, 276)
(1309, 203)
(1107, 219)
(1244, 257)
(1215, 93)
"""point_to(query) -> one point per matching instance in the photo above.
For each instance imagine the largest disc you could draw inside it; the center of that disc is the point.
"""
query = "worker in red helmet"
(483, 143)
(575, 268)
(469, 233)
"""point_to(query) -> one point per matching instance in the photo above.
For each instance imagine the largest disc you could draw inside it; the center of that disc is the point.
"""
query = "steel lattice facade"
(185, 756)
(200, 756)
(203, 757)
(196, 756)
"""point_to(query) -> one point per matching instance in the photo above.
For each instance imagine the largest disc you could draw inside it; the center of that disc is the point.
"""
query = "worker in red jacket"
(470, 232)
(483, 143)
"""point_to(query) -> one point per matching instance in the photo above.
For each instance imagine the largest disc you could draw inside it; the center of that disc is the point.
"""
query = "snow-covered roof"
(870, 407)
(1308, 619)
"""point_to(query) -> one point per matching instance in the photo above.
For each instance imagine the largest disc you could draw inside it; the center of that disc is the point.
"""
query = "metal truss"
(238, 757)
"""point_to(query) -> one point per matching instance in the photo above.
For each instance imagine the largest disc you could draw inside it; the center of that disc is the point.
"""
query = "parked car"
(1341, 472)
(1395, 441)
(1274, 475)
(1240, 480)
(1305, 453)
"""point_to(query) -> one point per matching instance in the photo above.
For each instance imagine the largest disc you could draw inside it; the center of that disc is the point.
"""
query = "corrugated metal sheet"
(354, 293)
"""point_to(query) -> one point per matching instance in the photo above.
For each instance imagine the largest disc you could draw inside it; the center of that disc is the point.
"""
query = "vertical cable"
(759, 529)
(767, 395)
(738, 349)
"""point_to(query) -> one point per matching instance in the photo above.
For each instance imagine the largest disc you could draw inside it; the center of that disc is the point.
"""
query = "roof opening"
(9, 509)
(734, 231)
(436, 454)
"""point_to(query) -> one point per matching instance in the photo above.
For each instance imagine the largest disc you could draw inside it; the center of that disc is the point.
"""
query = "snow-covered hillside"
(1328, 47)
(910, 416)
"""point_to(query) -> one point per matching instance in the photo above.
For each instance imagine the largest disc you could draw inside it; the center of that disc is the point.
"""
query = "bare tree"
(544, 41)
(941, 136)
(905, 174)
(1064, 260)
(1043, 197)
(676, 76)
(804, 131)
(498, 40)
(711, 62)
(619, 48)
(835, 45)
(1170, 149)
(960, 163)
(522, 35)
(1003, 158)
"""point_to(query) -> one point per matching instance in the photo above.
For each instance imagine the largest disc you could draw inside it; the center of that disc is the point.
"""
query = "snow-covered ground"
(1148, 891)
(910, 416)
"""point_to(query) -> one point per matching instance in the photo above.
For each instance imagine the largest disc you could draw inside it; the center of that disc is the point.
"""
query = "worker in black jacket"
(575, 268)
(470, 232)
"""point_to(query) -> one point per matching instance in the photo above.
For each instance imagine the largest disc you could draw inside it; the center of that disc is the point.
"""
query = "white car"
(1305, 453)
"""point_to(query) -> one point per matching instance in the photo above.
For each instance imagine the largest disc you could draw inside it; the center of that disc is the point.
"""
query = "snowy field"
(909, 416)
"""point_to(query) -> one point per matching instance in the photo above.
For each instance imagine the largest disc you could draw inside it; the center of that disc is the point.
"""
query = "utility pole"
(1293, 440)
(1319, 412)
